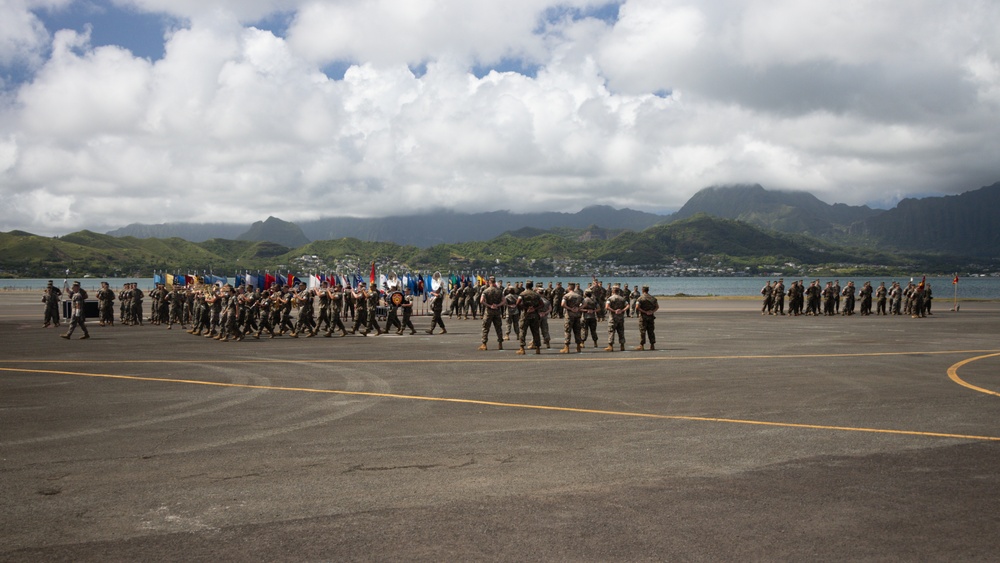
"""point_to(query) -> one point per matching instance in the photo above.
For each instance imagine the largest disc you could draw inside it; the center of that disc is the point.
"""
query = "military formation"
(528, 309)
(831, 299)
(513, 312)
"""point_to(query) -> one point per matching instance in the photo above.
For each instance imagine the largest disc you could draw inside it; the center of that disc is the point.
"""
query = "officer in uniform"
(589, 309)
(407, 307)
(52, 298)
(78, 296)
(492, 300)
(175, 300)
(360, 298)
(646, 307)
(437, 306)
(513, 313)
(336, 322)
(392, 317)
(106, 304)
(558, 292)
(572, 303)
(529, 303)
(616, 305)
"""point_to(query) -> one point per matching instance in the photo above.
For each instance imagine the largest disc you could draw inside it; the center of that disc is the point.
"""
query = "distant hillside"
(704, 234)
(28, 255)
(193, 232)
(449, 227)
(967, 224)
(418, 230)
(788, 212)
(277, 231)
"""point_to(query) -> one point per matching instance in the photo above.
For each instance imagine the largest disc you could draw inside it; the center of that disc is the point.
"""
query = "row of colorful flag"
(417, 283)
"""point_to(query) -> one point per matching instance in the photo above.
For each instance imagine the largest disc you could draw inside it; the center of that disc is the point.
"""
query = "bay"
(968, 288)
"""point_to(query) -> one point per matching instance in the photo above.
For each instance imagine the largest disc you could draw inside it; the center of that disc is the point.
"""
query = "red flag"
(372, 277)
(955, 281)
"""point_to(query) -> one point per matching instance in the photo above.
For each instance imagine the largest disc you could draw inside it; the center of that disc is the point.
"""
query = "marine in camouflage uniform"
(543, 319)
(572, 303)
(336, 322)
(392, 316)
(779, 298)
(106, 305)
(513, 313)
(646, 307)
(374, 297)
(78, 296)
(323, 321)
(589, 309)
(437, 306)
(616, 306)
(360, 298)
(880, 298)
(52, 298)
(175, 301)
(558, 292)
(529, 303)
(407, 307)
(493, 301)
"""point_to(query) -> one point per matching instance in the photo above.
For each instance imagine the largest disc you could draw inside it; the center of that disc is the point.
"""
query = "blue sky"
(114, 112)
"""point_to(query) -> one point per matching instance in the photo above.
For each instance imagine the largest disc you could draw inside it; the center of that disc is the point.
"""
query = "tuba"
(436, 281)
(392, 281)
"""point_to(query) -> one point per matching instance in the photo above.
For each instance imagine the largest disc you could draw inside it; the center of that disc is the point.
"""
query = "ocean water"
(968, 288)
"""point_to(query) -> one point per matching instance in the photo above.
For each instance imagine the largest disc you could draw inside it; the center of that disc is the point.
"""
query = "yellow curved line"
(602, 357)
(953, 374)
(521, 406)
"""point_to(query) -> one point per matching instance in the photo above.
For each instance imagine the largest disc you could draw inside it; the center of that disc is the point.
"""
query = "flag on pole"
(955, 281)
(371, 278)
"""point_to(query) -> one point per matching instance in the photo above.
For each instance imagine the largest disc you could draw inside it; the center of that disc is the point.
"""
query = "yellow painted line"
(953, 374)
(602, 357)
(521, 405)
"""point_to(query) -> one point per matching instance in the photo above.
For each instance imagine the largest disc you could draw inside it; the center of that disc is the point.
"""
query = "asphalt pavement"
(742, 437)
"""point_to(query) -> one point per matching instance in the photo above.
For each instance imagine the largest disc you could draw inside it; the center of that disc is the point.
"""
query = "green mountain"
(701, 238)
(788, 212)
(967, 224)
(276, 231)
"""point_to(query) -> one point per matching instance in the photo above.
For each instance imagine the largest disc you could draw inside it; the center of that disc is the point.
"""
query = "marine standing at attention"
(616, 305)
(492, 300)
(572, 304)
(52, 297)
(529, 303)
(646, 307)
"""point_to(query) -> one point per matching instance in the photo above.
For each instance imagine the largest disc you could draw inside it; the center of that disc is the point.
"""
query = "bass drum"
(396, 298)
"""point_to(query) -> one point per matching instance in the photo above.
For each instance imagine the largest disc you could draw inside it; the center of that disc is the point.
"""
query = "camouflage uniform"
(617, 305)
(646, 307)
(492, 298)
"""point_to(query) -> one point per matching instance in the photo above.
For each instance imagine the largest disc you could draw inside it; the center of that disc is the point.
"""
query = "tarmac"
(741, 437)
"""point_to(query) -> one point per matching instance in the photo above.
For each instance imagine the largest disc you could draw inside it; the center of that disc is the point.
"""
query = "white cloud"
(850, 101)
(23, 37)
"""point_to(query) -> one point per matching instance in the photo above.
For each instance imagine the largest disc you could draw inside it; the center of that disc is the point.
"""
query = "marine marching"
(227, 313)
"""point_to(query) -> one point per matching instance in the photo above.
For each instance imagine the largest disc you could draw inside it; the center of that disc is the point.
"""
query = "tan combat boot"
(640, 348)
(482, 347)
(610, 348)
(520, 351)
(565, 349)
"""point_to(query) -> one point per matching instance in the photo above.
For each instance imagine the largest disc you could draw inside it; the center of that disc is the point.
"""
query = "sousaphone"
(392, 281)
(436, 281)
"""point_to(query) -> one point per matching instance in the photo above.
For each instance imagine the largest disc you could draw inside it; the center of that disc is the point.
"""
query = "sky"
(149, 111)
